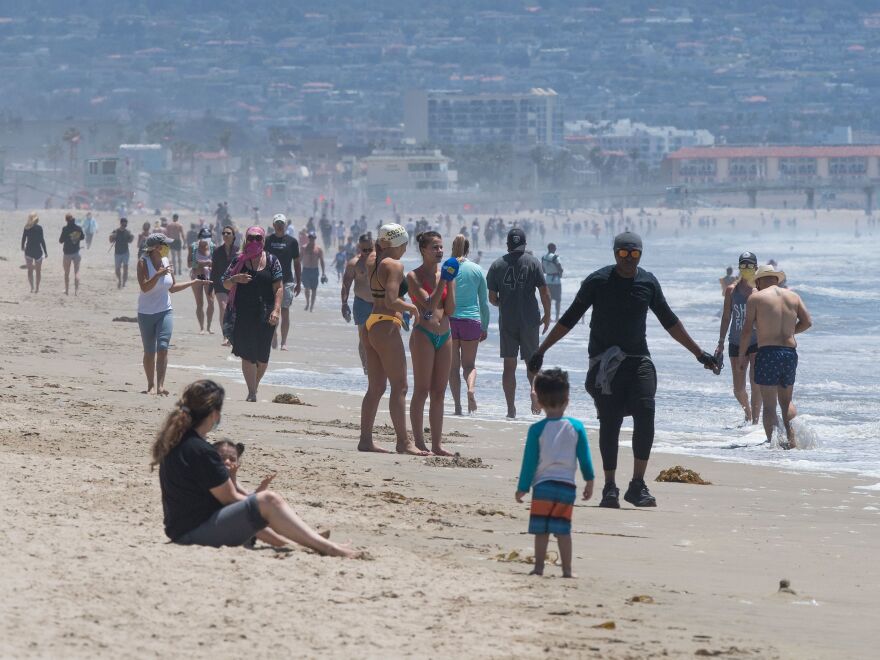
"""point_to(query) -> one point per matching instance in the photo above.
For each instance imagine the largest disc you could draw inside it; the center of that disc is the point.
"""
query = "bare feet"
(226, 343)
(536, 407)
(511, 413)
(162, 392)
(537, 571)
(457, 412)
(150, 389)
(210, 332)
(439, 451)
(201, 332)
(472, 402)
(369, 445)
(283, 347)
(568, 574)
(411, 449)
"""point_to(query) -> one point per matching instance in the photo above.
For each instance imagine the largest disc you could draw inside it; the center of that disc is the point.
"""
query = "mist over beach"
(313, 125)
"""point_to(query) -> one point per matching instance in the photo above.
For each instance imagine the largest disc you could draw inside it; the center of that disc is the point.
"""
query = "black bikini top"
(379, 291)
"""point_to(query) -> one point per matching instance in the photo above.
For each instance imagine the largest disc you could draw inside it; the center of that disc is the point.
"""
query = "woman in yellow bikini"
(429, 344)
(386, 355)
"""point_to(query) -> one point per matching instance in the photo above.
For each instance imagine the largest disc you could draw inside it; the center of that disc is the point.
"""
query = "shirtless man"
(174, 231)
(357, 273)
(779, 315)
(312, 257)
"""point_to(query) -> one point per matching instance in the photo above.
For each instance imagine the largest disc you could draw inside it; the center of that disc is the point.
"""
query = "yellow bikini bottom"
(373, 319)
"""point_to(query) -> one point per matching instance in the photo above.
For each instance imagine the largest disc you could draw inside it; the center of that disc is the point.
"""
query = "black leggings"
(632, 394)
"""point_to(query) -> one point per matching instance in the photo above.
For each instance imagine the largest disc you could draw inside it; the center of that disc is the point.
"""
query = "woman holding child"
(202, 504)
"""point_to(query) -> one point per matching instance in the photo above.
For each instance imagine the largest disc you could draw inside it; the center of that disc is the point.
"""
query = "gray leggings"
(234, 524)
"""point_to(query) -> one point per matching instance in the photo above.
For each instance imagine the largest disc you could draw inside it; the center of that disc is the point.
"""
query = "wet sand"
(88, 571)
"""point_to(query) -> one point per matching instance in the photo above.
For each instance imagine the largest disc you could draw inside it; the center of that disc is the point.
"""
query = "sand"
(88, 572)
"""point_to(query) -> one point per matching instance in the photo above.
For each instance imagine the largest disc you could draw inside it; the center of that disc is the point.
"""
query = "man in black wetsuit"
(621, 377)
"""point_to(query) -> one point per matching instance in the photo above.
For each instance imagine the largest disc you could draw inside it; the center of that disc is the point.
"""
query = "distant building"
(768, 163)
(145, 157)
(649, 144)
(408, 170)
(454, 118)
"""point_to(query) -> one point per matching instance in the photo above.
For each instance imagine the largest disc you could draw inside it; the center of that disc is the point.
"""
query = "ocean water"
(837, 390)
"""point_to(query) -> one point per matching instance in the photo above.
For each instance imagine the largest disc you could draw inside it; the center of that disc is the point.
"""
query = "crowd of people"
(444, 305)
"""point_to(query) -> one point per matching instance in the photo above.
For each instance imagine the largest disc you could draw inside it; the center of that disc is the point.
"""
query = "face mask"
(164, 251)
(748, 274)
(216, 424)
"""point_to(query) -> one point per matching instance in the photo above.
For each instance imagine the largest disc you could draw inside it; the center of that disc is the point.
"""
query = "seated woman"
(201, 503)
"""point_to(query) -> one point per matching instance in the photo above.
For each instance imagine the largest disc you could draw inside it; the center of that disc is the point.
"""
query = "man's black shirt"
(620, 309)
(286, 249)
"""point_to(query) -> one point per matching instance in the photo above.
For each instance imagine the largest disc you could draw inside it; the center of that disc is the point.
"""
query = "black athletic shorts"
(733, 350)
(632, 390)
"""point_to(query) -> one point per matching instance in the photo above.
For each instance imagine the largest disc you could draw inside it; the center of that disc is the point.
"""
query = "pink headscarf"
(250, 250)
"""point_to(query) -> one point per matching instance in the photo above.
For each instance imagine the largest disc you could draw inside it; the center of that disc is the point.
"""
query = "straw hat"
(769, 271)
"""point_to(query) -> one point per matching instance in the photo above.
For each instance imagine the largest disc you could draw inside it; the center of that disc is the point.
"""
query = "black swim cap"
(628, 239)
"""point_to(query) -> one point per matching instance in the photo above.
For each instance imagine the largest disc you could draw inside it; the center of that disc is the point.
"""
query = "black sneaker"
(638, 495)
(610, 497)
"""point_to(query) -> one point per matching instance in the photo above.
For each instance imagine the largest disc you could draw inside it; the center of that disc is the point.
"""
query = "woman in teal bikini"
(384, 349)
(429, 343)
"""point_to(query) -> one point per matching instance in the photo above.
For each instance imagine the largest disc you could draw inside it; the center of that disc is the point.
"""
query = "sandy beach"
(88, 571)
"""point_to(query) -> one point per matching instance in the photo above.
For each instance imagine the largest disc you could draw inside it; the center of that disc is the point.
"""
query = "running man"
(552, 267)
(357, 273)
(71, 237)
(733, 315)
(121, 238)
(621, 377)
(312, 257)
(780, 314)
(512, 281)
(286, 250)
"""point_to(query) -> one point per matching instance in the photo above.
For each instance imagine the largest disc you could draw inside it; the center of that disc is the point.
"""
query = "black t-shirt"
(186, 476)
(71, 235)
(121, 239)
(514, 277)
(286, 249)
(620, 310)
(220, 261)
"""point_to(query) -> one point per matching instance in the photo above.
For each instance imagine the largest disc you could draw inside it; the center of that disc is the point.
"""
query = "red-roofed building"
(820, 164)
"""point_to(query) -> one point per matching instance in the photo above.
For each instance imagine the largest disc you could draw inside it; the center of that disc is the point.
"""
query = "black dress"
(254, 302)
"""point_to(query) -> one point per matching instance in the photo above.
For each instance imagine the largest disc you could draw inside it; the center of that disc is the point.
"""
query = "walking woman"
(429, 343)
(201, 260)
(34, 245)
(222, 257)
(385, 352)
(200, 502)
(254, 284)
(469, 324)
(155, 319)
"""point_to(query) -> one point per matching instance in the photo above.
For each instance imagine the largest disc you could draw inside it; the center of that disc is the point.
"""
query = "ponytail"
(460, 246)
(198, 400)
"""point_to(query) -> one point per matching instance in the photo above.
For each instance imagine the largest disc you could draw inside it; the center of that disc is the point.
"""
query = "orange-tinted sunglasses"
(623, 253)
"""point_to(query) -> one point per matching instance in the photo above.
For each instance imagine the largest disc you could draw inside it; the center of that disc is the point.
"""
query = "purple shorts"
(465, 329)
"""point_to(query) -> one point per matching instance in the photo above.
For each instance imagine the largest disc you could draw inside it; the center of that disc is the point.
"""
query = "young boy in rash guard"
(554, 448)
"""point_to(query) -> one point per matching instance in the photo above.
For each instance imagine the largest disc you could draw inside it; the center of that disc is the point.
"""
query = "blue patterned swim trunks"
(776, 365)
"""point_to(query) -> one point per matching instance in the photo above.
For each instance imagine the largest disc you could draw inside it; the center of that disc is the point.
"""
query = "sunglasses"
(748, 267)
(227, 233)
(623, 253)
(366, 250)
(253, 238)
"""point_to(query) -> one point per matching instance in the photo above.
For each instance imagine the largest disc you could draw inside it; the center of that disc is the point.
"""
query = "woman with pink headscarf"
(255, 291)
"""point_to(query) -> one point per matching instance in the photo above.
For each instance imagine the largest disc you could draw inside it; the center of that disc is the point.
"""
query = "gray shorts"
(287, 299)
(310, 277)
(522, 339)
(555, 292)
(234, 524)
(121, 260)
(361, 311)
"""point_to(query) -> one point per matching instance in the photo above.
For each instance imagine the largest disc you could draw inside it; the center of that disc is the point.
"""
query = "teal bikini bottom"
(436, 340)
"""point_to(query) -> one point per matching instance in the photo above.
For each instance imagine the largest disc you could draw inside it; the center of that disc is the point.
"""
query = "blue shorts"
(156, 330)
(776, 365)
(310, 277)
(552, 506)
(361, 310)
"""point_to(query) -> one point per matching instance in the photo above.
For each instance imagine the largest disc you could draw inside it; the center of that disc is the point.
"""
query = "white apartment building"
(408, 170)
(652, 143)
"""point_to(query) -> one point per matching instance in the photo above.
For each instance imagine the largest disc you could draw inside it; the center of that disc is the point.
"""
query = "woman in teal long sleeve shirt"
(469, 323)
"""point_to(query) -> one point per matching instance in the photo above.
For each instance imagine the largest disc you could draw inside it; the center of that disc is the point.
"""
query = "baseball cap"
(393, 235)
(628, 239)
(312, 234)
(516, 239)
(204, 232)
(279, 219)
(748, 258)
